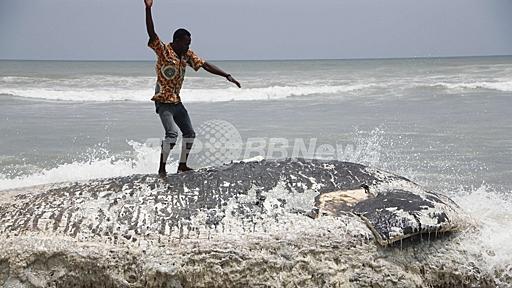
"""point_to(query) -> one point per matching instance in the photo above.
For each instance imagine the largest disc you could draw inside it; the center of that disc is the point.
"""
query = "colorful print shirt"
(170, 71)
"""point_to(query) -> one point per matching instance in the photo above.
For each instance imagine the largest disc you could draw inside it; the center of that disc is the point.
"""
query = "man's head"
(181, 41)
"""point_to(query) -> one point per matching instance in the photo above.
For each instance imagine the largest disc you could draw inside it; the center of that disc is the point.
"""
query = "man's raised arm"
(149, 20)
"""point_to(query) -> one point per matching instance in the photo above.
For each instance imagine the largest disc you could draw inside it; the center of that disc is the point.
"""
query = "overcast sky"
(257, 29)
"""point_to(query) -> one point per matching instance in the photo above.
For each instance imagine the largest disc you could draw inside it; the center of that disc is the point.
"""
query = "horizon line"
(288, 59)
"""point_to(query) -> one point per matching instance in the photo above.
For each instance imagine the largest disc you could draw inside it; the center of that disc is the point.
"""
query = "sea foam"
(188, 95)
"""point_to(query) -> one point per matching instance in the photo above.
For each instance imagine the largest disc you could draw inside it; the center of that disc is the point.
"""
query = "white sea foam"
(505, 86)
(188, 95)
(144, 159)
(140, 89)
(91, 82)
(493, 212)
(82, 95)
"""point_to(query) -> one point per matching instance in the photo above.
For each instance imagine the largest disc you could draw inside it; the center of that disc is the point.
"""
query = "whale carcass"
(274, 223)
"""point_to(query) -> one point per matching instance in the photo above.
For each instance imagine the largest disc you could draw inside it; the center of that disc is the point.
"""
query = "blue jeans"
(173, 115)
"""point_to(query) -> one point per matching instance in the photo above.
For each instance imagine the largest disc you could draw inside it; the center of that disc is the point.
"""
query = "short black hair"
(180, 33)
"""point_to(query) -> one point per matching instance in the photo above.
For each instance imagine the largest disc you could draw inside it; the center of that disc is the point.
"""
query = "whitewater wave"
(90, 81)
(143, 161)
(107, 89)
(504, 86)
(188, 95)
(493, 213)
(99, 162)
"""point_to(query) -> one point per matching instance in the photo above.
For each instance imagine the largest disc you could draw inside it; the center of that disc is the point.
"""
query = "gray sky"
(257, 29)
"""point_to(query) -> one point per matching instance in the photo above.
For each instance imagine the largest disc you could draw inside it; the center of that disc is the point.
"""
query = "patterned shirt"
(170, 71)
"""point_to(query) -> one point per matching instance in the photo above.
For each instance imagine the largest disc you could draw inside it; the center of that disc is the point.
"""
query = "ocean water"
(443, 123)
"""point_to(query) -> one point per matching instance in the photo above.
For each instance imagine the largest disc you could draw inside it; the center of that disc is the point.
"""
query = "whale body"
(236, 225)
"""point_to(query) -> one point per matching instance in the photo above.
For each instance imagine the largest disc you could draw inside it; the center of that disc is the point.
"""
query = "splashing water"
(493, 213)
(97, 165)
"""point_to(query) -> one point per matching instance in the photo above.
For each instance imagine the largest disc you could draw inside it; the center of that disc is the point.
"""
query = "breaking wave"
(143, 92)
(493, 212)
(504, 86)
(99, 162)
(142, 161)
(190, 95)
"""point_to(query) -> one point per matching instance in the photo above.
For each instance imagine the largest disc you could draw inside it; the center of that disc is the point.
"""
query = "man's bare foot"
(184, 168)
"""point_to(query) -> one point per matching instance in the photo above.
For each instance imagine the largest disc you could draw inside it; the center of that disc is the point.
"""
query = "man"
(170, 70)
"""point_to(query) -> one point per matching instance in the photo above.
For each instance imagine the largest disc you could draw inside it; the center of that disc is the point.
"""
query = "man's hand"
(233, 80)
(149, 21)
(217, 71)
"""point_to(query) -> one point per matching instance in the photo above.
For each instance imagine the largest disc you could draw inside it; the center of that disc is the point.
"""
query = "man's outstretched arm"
(149, 21)
(217, 71)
